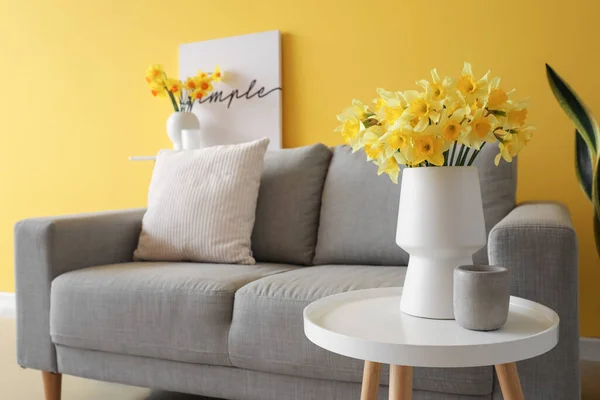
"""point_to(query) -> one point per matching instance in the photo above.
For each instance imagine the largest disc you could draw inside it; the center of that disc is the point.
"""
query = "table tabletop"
(368, 325)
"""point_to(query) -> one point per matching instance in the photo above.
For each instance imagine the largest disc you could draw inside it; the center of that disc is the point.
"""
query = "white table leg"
(401, 382)
(509, 381)
(370, 382)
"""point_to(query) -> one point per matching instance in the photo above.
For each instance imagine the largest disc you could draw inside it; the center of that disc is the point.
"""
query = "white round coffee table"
(368, 325)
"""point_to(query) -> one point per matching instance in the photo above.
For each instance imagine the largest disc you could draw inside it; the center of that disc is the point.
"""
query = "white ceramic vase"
(179, 121)
(441, 225)
(198, 139)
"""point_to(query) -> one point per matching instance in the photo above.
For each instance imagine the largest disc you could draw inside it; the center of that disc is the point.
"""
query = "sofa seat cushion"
(267, 331)
(174, 311)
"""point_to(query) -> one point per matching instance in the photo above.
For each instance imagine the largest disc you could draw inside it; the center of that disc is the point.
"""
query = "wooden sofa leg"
(52, 385)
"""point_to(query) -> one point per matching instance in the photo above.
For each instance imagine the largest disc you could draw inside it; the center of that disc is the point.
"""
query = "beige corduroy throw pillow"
(202, 204)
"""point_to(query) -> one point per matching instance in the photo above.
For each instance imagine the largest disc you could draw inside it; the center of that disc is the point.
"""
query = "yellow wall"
(74, 104)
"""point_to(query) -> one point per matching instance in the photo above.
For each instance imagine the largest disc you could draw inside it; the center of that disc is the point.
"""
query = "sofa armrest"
(48, 247)
(537, 242)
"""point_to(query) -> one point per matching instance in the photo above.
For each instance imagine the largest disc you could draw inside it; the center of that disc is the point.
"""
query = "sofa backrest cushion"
(359, 211)
(498, 191)
(289, 204)
(358, 214)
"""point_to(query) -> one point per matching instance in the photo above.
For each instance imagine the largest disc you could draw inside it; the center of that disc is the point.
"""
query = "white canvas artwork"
(247, 105)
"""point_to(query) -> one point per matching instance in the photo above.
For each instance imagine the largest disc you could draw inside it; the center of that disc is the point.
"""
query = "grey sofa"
(325, 223)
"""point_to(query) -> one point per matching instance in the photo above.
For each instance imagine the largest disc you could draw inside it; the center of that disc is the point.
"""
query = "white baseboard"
(7, 305)
(589, 349)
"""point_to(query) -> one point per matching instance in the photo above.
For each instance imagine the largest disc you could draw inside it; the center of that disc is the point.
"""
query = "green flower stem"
(460, 154)
(453, 153)
(462, 160)
(173, 100)
(465, 156)
(475, 155)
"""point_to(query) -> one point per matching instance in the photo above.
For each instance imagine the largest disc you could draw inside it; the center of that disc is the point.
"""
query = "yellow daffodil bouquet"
(184, 94)
(446, 123)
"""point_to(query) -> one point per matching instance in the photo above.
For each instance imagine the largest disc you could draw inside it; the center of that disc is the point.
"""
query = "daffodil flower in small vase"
(183, 96)
(435, 134)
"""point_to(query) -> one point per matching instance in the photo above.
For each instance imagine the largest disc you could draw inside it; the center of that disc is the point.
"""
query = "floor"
(22, 384)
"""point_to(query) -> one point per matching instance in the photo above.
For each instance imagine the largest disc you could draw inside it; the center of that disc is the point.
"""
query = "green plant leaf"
(584, 165)
(575, 109)
(596, 190)
(597, 233)
(587, 137)
(596, 204)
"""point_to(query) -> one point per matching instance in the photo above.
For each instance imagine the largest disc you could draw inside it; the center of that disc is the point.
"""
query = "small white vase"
(177, 122)
(197, 139)
(441, 225)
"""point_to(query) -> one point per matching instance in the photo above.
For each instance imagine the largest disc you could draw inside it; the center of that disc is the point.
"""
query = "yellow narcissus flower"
(349, 129)
(407, 122)
(420, 110)
(476, 105)
(388, 106)
(373, 150)
(379, 104)
(454, 101)
(480, 129)
(451, 127)
(389, 166)
(517, 117)
(510, 144)
(201, 75)
(190, 84)
(217, 75)
(357, 110)
(507, 152)
(158, 89)
(197, 94)
(173, 85)
(427, 148)
(438, 89)
(355, 121)
(497, 97)
(371, 144)
(205, 85)
(155, 73)
(524, 135)
(471, 88)
(395, 141)
(351, 124)
(515, 114)
(199, 87)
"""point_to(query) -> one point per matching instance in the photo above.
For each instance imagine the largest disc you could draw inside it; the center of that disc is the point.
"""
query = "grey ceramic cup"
(481, 296)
